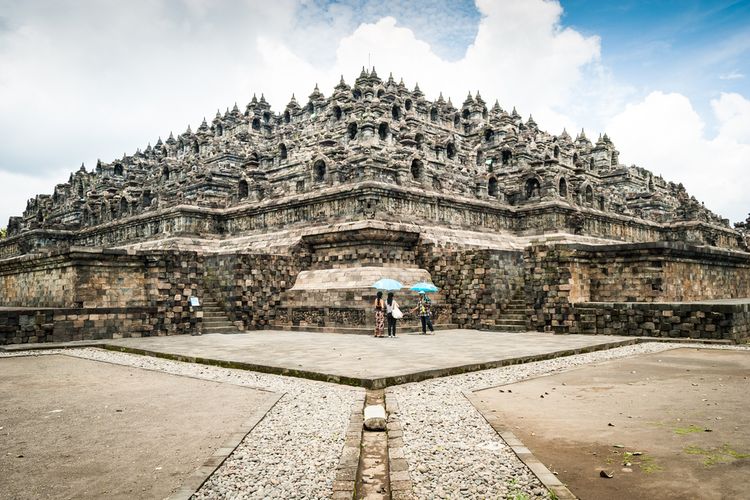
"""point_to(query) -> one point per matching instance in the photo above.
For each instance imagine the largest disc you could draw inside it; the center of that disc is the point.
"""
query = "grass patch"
(682, 431)
(643, 461)
(515, 493)
(715, 456)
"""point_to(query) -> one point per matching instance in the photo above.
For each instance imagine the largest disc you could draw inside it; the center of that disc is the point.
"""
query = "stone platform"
(366, 361)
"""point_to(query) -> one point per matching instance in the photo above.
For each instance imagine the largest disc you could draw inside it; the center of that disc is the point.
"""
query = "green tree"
(3, 232)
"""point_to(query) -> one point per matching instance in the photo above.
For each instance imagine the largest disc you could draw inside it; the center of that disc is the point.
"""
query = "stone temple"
(284, 220)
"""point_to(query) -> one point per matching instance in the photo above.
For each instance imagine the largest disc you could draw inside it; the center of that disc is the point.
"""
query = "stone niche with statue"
(286, 219)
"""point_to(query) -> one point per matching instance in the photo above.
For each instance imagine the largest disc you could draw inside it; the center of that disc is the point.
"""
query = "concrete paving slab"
(367, 361)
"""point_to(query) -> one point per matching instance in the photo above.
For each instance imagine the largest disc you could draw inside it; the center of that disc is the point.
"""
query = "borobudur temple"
(284, 220)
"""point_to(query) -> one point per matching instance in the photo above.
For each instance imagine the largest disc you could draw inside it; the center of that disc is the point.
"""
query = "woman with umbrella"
(424, 305)
(389, 310)
(379, 315)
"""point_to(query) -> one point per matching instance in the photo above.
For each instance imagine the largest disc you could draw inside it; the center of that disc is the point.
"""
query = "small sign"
(194, 302)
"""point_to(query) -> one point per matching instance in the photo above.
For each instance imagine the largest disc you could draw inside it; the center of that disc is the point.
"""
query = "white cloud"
(664, 134)
(83, 80)
(732, 75)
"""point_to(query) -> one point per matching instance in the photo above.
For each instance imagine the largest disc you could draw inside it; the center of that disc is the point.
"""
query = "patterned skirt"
(379, 322)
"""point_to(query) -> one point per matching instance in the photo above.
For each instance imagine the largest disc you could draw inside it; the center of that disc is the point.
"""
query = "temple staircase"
(513, 317)
(215, 319)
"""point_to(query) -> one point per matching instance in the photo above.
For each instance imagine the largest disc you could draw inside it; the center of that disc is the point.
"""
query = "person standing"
(424, 308)
(390, 306)
(379, 315)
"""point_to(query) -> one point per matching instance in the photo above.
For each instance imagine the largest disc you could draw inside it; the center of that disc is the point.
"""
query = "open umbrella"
(425, 287)
(387, 284)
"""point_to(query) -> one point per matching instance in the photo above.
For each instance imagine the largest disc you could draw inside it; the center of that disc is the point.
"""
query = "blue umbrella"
(387, 284)
(425, 287)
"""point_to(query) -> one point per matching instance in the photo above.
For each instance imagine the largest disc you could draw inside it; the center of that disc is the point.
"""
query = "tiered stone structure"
(287, 218)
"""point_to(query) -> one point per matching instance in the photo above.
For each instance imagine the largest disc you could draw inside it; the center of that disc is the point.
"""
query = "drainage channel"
(373, 475)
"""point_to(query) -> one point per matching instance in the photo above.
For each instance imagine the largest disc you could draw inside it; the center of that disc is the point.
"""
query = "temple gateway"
(284, 220)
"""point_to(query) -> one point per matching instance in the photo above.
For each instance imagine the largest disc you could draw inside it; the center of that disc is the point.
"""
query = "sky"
(667, 80)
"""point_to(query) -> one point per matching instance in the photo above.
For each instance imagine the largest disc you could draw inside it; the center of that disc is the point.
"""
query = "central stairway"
(215, 319)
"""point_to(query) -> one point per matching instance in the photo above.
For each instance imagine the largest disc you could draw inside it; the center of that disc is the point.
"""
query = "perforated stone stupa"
(290, 215)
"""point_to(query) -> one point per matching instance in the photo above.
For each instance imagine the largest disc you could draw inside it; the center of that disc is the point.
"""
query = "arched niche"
(450, 150)
(383, 131)
(588, 195)
(506, 156)
(532, 188)
(417, 169)
(492, 187)
(320, 170)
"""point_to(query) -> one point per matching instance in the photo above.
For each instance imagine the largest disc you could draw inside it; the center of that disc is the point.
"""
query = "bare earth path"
(74, 428)
(660, 405)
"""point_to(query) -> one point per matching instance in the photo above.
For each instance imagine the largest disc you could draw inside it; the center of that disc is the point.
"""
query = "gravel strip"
(292, 453)
(453, 452)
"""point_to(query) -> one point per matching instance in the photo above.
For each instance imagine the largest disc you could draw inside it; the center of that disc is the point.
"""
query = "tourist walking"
(379, 315)
(393, 313)
(424, 309)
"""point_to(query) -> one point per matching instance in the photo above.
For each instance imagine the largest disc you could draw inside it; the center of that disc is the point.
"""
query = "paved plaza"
(367, 361)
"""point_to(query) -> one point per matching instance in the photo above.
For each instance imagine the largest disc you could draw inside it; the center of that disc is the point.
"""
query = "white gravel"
(292, 453)
(453, 452)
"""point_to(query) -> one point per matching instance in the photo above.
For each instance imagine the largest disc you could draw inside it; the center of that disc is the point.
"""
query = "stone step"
(218, 322)
(215, 318)
(220, 329)
(518, 322)
(513, 315)
(509, 328)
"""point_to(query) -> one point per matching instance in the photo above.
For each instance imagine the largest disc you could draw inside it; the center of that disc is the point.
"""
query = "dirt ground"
(74, 428)
(671, 425)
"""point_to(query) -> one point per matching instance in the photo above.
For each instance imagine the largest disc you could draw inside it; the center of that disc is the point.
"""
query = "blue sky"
(698, 48)
(88, 79)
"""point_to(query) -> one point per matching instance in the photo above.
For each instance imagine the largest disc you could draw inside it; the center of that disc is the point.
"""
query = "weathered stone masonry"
(655, 289)
(285, 219)
(91, 294)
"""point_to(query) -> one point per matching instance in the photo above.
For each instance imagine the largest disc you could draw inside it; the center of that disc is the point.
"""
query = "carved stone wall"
(564, 281)
(89, 293)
